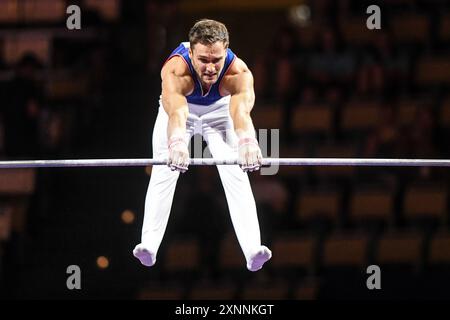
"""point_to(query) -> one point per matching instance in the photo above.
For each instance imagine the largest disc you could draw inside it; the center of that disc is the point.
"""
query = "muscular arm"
(176, 84)
(239, 84)
(241, 103)
(174, 87)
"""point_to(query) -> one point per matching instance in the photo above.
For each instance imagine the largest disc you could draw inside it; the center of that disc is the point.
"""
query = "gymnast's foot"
(144, 255)
(257, 260)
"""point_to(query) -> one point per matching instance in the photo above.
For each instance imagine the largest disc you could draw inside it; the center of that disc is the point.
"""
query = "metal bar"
(210, 162)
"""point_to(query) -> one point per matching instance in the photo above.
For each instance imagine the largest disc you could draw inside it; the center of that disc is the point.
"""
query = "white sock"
(257, 259)
(144, 255)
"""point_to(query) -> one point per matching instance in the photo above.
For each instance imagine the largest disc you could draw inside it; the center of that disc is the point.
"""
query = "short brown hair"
(207, 32)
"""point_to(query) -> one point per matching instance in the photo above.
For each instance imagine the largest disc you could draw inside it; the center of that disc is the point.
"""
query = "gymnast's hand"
(178, 154)
(250, 156)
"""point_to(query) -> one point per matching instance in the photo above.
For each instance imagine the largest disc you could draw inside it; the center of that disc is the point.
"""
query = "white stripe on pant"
(216, 126)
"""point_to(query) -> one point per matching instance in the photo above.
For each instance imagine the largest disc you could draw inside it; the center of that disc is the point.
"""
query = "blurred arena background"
(332, 87)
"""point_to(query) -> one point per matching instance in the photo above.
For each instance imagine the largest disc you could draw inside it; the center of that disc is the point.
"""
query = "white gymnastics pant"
(214, 124)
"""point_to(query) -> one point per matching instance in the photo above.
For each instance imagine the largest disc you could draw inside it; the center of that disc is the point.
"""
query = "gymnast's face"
(208, 61)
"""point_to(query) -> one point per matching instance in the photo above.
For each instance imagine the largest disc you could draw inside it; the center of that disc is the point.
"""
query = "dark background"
(331, 86)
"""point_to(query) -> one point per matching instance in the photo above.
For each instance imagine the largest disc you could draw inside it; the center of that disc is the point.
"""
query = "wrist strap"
(175, 140)
(244, 141)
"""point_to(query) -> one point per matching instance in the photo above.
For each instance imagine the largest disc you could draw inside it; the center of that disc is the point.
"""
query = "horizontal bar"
(211, 162)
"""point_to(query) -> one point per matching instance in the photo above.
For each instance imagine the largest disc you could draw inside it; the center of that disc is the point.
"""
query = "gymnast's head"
(208, 49)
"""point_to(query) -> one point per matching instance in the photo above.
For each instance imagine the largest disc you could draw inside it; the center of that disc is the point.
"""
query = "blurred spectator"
(330, 63)
(309, 95)
(274, 72)
(384, 141)
(383, 69)
(420, 142)
(276, 76)
(323, 12)
(161, 31)
(416, 141)
(22, 108)
(421, 135)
